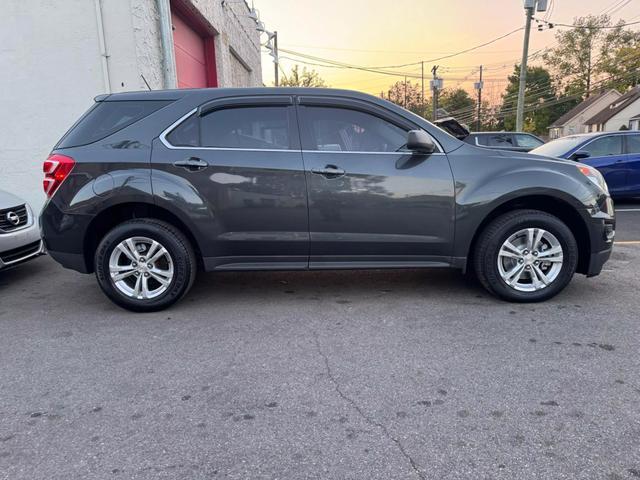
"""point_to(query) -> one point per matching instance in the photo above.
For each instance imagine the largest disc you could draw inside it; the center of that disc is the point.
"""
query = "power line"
(587, 27)
(451, 55)
(546, 103)
(617, 9)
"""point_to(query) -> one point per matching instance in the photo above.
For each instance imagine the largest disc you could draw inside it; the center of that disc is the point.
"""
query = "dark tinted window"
(246, 127)
(495, 140)
(601, 147)
(107, 118)
(187, 134)
(339, 129)
(527, 141)
(633, 143)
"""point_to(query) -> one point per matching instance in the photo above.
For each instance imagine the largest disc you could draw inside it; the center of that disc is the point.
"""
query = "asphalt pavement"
(329, 375)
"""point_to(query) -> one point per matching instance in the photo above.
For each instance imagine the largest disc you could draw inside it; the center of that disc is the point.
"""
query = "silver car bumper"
(22, 244)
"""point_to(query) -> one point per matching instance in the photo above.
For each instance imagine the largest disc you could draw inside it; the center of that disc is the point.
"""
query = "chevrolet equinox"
(147, 188)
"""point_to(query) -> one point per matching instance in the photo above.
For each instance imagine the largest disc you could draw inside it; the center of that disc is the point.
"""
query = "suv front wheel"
(526, 256)
(145, 265)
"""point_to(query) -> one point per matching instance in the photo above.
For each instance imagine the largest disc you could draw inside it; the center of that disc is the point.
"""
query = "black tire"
(485, 259)
(174, 241)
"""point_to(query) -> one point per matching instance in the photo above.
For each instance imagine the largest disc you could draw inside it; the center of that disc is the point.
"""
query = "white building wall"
(51, 68)
(577, 125)
(623, 117)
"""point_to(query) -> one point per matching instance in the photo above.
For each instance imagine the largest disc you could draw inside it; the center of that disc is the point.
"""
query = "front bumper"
(20, 245)
(597, 261)
(602, 230)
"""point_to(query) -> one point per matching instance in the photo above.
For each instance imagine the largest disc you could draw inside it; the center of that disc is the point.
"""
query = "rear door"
(371, 202)
(235, 168)
(633, 163)
(607, 155)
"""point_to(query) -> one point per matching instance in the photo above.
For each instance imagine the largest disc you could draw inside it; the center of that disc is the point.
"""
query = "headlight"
(595, 176)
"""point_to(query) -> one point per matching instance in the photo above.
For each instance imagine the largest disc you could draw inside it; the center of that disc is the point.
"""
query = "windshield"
(559, 147)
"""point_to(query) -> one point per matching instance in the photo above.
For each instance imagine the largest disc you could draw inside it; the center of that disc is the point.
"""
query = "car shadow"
(335, 285)
(23, 273)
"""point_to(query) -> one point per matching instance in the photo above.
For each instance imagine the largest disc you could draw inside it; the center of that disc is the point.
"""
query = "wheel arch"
(121, 212)
(556, 205)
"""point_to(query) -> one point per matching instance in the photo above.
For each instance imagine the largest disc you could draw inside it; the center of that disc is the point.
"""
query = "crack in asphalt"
(360, 412)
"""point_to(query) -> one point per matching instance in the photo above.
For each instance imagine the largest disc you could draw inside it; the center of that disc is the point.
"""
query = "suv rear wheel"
(526, 256)
(145, 265)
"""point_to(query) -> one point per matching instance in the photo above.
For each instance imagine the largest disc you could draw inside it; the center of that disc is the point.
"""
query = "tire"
(492, 254)
(144, 286)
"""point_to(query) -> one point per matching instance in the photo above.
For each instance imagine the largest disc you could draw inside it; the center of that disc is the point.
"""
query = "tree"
(619, 63)
(573, 61)
(304, 78)
(456, 101)
(541, 91)
(408, 95)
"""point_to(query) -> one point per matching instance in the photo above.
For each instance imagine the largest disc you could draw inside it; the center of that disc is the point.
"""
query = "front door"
(239, 169)
(371, 202)
(607, 155)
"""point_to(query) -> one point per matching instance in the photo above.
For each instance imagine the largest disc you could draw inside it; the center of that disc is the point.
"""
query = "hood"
(453, 127)
(8, 200)
(533, 156)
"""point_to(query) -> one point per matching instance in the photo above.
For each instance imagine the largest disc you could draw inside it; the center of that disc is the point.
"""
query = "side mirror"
(580, 155)
(419, 141)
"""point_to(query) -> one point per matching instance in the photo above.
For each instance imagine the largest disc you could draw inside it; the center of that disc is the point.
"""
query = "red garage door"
(195, 61)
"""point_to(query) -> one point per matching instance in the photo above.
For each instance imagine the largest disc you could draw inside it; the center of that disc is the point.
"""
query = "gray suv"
(149, 187)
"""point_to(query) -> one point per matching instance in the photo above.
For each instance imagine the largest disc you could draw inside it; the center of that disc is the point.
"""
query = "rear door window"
(249, 128)
(527, 141)
(503, 140)
(246, 128)
(107, 118)
(633, 144)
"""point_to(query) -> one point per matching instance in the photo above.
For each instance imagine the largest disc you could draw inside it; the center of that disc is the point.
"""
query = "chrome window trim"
(177, 123)
(369, 153)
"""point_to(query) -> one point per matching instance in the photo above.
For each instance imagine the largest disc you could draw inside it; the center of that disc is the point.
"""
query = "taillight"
(56, 169)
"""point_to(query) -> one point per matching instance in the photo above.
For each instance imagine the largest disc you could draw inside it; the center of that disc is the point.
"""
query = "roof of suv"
(197, 95)
(177, 94)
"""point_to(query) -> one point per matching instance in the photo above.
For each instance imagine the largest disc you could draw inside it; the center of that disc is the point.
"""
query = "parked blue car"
(615, 154)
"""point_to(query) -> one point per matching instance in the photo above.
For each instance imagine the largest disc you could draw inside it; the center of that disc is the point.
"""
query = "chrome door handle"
(329, 171)
(192, 164)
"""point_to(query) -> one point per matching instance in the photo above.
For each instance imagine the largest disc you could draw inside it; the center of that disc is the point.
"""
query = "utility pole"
(404, 103)
(589, 73)
(435, 85)
(529, 8)
(479, 86)
(423, 102)
(275, 58)
(523, 67)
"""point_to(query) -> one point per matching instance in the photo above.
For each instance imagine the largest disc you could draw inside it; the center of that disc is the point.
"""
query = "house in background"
(574, 120)
(57, 56)
(634, 123)
(618, 114)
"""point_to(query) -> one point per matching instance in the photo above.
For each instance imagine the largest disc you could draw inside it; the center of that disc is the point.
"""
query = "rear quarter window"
(107, 118)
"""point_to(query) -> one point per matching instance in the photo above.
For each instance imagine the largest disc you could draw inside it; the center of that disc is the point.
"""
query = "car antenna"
(145, 82)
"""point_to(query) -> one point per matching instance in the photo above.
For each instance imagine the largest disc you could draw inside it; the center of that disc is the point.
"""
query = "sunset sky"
(382, 33)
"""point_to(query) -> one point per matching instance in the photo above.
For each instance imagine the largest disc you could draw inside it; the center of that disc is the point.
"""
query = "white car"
(19, 232)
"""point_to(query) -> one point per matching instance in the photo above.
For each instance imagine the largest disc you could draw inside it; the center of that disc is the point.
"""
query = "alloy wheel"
(141, 268)
(530, 260)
